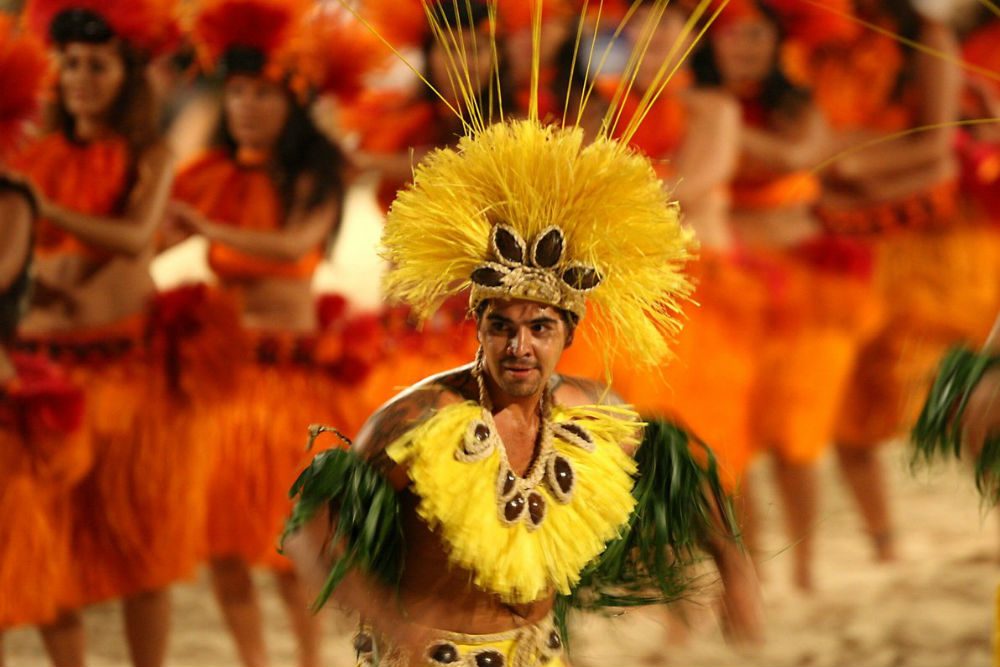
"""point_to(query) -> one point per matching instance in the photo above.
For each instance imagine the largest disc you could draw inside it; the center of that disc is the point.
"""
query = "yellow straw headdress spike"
(662, 78)
(576, 53)
(346, 4)
(536, 57)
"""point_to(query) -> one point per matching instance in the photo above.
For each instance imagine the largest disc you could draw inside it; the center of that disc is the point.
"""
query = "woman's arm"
(132, 233)
(304, 231)
(938, 82)
(15, 235)
(803, 144)
(710, 152)
(391, 166)
(890, 187)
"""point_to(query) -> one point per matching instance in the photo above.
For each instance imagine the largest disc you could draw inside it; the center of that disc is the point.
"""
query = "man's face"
(522, 342)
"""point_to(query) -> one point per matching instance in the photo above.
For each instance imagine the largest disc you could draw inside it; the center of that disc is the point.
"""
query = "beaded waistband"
(934, 209)
(534, 645)
(90, 345)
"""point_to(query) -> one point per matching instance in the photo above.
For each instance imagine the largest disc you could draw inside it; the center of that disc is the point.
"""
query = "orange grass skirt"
(137, 515)
(37, 474)
(938, 289)
(706, 386)
(256, 440)
(814, 324)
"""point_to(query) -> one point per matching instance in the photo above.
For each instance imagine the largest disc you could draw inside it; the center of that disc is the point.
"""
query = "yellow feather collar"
(460, 477)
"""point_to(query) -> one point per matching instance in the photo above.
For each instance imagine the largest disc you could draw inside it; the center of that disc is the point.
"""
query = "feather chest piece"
(523, 537)
(519, 499)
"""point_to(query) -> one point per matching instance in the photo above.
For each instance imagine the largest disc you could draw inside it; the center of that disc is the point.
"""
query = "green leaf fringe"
(677, 500)
(938, 431)
(364, 509)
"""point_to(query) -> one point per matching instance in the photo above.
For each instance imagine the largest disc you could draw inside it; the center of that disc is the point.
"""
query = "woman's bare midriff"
(275, 304)
(708, 217)
(74, 293)
(775, 228)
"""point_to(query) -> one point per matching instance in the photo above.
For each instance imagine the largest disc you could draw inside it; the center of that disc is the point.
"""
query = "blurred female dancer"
(268, 197)
(816, 307)
(101, 178)
(43, 453)
(900, 199)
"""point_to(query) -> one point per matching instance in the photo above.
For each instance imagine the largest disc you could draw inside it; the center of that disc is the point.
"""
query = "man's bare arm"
(405, 412)
(312, 547)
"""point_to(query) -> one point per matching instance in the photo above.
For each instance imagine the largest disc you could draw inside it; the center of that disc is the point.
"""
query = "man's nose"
(519, 343)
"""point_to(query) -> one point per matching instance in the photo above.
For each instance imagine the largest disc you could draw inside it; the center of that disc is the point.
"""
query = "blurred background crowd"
(203, 184)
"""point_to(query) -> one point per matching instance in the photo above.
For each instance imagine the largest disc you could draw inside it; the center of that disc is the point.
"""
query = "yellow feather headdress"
(523, 210)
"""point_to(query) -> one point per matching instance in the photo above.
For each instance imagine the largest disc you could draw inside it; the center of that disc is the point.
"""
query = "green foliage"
(365, 517)
(678, 502)
(938, 431)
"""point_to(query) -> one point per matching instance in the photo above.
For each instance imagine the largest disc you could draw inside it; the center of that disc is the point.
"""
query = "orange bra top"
(242, 196)
(853, 82)
(662, 131)
(795, 188)
(92, 178)
(980, 49)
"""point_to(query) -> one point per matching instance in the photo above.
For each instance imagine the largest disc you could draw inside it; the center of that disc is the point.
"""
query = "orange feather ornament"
(23, 66)
(148, 25)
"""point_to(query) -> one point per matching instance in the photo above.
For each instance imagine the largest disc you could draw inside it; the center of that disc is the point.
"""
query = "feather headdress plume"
(292, 42)
(520, 210)
(23, 67)
(149, 26)
(266, 37)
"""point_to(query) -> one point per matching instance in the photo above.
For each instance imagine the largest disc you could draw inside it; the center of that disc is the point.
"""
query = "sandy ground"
(933, 608)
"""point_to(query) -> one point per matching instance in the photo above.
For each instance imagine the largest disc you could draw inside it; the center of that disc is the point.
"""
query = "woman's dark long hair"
(778, 95)
(302, 151)
(133, 114)
(907, 23)
(458, 17)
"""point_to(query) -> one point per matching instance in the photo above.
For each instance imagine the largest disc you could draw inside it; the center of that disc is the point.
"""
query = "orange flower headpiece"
(350, 51)
(23, 66)
(812, 25)
(149, 26)
(806, 23)
(273, 38)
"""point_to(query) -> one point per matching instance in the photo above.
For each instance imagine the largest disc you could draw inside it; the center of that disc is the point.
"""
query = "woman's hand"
(186, 217)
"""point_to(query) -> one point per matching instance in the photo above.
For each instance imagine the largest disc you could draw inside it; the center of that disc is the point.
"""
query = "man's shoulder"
(572, 391)
(412, 407)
